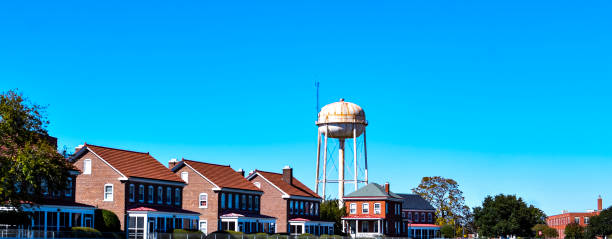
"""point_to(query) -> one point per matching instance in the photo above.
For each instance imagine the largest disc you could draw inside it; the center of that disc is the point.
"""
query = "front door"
(151, 229)
(136, 226)
(203, 227)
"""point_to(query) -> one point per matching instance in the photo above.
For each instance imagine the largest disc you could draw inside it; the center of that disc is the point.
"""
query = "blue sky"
(505, 97)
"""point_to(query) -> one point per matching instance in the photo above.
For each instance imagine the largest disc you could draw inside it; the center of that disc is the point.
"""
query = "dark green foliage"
(15, 218)
(28, 158)
(447, 231)
(600, 225)
(106, 221)
(507, 215)
(544, 231)
(332, 213)
(85, 232)
(574, 230)
(182, 234)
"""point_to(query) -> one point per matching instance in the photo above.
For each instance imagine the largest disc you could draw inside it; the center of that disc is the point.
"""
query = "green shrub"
(86, 232)
(106, 221)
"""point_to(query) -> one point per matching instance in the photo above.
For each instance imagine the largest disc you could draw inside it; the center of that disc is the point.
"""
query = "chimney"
(387, 187)
(288, 175)
(241, 172)
(599, 204)
(172, 163)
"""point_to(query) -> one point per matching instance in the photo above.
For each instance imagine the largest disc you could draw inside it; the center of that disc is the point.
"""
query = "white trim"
(167, 214)
(90, 150)
(363, 208)
(285, 195)
(155, 181)
(205, 231)
(112, 194)
(186, 177)
(200, 199)
(351, 208)
(211, 182)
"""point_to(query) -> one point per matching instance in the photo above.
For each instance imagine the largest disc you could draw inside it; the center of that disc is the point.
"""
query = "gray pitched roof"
(373, 190)
(415, 202)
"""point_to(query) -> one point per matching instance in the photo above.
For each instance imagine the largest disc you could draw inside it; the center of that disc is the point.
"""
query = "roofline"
(238, 190)
(373, 197)
(132, 151)
(86, 147)
(274, 185)
(198, 172)
(158, 181)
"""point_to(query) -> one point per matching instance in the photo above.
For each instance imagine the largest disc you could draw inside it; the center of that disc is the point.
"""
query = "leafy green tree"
(600, 225)
(331, 212)
(507, 215)
(574, 230)
(447, 231)
(544, 231)
(106, 221)
(30, 165)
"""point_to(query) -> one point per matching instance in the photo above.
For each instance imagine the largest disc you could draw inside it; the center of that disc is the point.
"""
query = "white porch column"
(356, 227)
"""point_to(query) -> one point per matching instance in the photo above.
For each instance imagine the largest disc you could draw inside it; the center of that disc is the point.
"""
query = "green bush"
(182, 233)
(86, 232)
(106, 221)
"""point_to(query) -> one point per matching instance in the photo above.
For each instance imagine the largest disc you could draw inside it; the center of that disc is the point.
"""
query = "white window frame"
(169, 195)
(108, 199)
(205, 229)
(132, 192)
(257, 184)
(177, 196)
(353, 208)
(185, 177)
(160, 195)
(377, 210)
(200, 200)
(151, 194)
(87, 166)
(141, 193)
(365, 208)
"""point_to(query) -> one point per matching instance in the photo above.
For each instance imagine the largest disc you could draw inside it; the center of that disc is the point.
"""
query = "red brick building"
(223, 197)
(582, 218)
(373, 211)
(294, 204)
(419, 217)
(143, 193)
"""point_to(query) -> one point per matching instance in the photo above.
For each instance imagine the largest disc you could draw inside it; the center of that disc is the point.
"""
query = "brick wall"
(272, 204)
(90, 187)
(191, 192)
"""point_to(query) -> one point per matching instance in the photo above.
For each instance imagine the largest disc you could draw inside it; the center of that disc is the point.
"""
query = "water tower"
(341, 121)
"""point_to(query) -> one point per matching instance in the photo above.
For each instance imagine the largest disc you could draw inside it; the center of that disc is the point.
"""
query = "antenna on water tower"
(317, 86)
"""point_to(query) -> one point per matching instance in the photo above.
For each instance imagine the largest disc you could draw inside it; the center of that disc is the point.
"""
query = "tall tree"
(574, 231)
(445, 196)
(507, 215)
(30, 166)
(600, 225)
(331, 212)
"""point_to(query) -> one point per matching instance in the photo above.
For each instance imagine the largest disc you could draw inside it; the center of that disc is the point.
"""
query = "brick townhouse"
(419, 217)
(58, 211)
(373, 211)
(294, 204)
(559, 221)
(223, 197)
(143, 193)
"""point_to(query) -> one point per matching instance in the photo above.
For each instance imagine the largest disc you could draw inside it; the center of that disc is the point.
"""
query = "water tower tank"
(340, 118)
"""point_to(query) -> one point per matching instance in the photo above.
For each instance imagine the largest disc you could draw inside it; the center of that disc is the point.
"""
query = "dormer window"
(87, 166)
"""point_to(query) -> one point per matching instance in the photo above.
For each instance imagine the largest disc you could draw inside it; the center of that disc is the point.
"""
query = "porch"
(247, 223)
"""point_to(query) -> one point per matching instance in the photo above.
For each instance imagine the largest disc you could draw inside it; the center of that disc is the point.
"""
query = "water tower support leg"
(365, 155)
(355, 156)
(325, 164)
(341, 172)
(318, 161)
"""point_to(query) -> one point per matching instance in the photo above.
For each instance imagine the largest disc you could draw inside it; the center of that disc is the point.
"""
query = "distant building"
(582, 218)
(294, 204)
(373, 211)
(419, 217)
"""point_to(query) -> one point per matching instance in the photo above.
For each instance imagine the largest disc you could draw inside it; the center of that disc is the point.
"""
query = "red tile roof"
(222, 175)
(134, 164)
(295, 189)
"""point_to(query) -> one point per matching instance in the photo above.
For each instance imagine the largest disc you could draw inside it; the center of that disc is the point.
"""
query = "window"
(376, 208)
(168, 195)
(160, 195)
(223, 200)
(69, 188)
(204, 200)
(150, 195)
(132, 193)
(87, 166)
(229, 200)
(577, 220)
(243, 202)
(422, 217)
(291, 207)
(316, 209)
(108, 192)
(141, 193)
(185, 176)
(364, 226)
(409, 216)
(237, 205)
(177, 196)
(586, 220)
(365, 208)
(301, 208)
(203, 227)
(311, 208)
(44, 188)
(386, 208)
(250, 202)
(353, 208)
(256, 203)
(416, 217)
(429, 217)
(257, 184)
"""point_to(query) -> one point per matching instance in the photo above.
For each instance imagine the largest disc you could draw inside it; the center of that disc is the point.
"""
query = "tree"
(331, 212)
(30, 166)
(544, 231)
(445, 196)
(447, 231)
(600, 225)
(574, 230)
(106, 221)
(507, 215)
